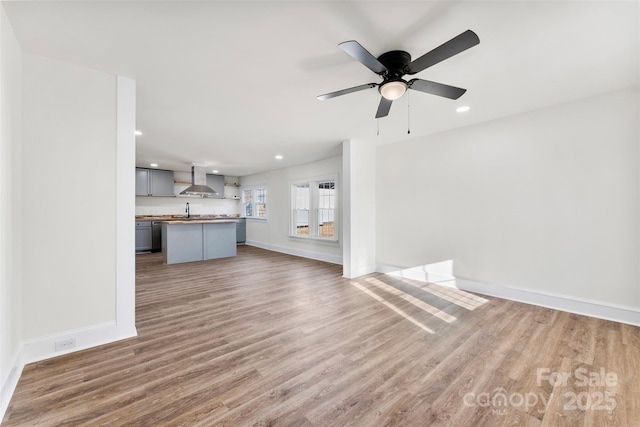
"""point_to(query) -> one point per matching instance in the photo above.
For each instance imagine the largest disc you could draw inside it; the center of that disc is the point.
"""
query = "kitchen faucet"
(187, 211)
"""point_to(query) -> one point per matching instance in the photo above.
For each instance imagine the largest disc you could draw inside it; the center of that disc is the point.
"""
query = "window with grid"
(301, 209)
(314, 209)
(326, 209)
(261, 202)
(254, 202)
(247, 202)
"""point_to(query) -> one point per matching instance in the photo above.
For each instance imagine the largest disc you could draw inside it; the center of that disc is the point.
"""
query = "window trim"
(253, 188)
(313, 206)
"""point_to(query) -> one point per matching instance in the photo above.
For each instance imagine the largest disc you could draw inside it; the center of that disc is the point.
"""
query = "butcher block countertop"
(177, 219)
(198, 221)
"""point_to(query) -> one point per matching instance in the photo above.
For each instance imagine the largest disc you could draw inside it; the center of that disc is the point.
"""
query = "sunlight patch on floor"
(413, 300)
(392, 307)
(456, 296)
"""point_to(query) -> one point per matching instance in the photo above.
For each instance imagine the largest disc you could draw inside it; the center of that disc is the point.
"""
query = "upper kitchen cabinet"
(154, 182)
(142, 182)
(216, 183)
(161, 183)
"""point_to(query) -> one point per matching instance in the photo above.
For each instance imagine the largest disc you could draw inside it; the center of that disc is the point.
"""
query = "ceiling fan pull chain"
(408, 112)
(377, 98)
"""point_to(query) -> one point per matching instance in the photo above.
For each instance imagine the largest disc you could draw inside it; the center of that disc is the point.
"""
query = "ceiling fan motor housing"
(396, 62)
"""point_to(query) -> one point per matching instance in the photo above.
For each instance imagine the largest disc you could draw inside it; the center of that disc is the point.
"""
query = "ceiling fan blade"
(346, 91)
(446, 50)
(362, 55)
(435, 88)
(383, 107)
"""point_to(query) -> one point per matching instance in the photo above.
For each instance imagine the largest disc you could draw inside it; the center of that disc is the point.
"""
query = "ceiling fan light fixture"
(394, 89)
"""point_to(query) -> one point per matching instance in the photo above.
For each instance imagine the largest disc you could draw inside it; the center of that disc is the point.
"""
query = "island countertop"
(184, 218)
(199, 221)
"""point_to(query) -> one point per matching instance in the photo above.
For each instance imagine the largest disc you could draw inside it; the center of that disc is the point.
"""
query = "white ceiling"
(231, 84)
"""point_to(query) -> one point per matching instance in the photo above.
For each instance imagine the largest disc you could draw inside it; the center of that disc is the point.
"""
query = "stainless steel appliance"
(156, 236)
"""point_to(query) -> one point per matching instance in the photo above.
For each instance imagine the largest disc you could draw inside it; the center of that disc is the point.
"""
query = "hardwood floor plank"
(601, 394)
(268, 339)
(560, 410)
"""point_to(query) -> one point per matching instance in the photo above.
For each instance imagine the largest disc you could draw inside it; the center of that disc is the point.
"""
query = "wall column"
(125, 207)
(359, 208)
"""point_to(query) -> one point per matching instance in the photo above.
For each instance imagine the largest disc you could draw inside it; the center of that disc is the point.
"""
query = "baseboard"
(432, 273)
(361, 271)
(608, 311)
(9, 384)
(319, 256)
(41, 348)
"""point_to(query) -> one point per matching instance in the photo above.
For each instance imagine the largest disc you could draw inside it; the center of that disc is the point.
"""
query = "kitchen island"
(198, 240)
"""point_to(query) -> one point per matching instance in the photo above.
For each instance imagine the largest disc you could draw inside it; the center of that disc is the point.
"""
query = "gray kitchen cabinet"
(218, 240)
(241, 230)
(144, 238)
(161, 183)
(154, 182)
(216, 183)
(181, 243)
(142, 182)
(195, 241)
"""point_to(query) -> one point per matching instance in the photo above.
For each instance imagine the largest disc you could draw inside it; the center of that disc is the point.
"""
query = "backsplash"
(176, 206)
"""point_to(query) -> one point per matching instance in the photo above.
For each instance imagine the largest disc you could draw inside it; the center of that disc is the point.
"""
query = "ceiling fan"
(392, 66)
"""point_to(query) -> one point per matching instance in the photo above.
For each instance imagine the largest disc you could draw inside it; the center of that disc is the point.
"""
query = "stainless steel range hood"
(199, 183)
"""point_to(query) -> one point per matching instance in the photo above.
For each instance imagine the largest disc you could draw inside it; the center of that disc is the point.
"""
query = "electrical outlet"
(66, 344)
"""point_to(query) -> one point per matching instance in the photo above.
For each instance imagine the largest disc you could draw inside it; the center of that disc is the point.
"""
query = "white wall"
(274, 233)
(10, 211)
(359, 208)
(69, 197)
(546, 201)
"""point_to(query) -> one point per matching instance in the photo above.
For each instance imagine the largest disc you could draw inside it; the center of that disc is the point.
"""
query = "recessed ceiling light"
(137, 133)
(279, 157)
(153, 165)
(463, 109)
(215, 171)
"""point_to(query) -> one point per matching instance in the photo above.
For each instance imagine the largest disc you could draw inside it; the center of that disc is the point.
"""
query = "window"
(261, 202)
(254, 202)
(313, 209)
(326, 209)
(301, 210)
(247, 202)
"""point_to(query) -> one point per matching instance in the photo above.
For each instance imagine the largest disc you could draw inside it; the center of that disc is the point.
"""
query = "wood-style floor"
(266, 339)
